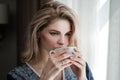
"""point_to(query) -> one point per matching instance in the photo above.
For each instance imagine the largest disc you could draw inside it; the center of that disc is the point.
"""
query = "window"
(94, 29)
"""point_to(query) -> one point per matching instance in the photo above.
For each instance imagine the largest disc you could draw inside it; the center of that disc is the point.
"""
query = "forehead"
(59, 24)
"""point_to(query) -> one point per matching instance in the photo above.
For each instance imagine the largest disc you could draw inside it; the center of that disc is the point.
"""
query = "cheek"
(67, 41)
(47, 42)
(50, 41)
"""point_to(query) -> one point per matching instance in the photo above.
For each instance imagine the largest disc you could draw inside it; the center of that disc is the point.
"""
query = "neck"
(39, 63)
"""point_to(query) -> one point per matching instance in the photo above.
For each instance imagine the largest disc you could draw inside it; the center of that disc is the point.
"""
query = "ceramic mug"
(69, 49)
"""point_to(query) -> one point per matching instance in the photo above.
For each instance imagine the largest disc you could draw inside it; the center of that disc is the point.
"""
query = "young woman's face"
(55, 35)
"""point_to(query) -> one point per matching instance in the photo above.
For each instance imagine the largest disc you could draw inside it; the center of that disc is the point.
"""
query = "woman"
(53, 26)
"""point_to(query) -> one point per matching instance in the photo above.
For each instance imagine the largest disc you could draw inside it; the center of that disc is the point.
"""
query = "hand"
(79, 65)
(55, 64)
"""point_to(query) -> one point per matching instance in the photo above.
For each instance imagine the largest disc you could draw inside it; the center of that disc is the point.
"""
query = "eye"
(54, 33)
(69, 34)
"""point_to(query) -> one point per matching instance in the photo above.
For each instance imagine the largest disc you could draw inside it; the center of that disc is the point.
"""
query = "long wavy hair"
(47, 13)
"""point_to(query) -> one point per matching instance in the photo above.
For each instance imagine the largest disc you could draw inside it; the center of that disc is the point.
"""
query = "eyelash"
(54, 33)
(68, 34)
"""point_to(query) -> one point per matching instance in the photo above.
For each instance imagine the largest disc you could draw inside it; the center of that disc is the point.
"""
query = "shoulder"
(21, 72)
(18, 70)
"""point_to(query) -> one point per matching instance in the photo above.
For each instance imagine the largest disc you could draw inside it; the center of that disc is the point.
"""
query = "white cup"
(69, 49)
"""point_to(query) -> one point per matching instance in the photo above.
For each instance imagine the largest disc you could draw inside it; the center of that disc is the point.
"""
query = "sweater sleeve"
(22, 72)
(89, 73)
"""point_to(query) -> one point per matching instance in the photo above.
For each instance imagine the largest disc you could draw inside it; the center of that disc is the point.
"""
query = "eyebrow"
(59, 31)
(53, 30)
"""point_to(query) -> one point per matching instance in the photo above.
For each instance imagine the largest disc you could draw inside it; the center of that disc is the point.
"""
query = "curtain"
(113, 69)
(99, 35)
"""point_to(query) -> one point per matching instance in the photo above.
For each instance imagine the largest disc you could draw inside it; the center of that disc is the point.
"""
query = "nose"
(61, 41)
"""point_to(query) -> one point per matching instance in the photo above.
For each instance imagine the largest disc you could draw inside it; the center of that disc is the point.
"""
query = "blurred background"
(8, 36)
(99, 33)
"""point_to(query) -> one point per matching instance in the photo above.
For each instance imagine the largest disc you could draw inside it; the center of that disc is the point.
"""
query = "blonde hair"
(48, 12)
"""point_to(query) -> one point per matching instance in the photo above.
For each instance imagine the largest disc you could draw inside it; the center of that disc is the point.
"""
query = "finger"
(66, 65)
(80, 64)
(77, 54)
(62, 64)
(66, 61)
(58, 67)
(78, 60)
(64, 56)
